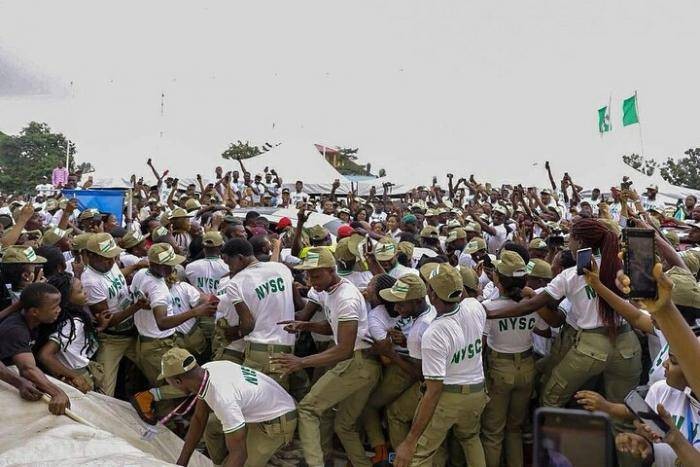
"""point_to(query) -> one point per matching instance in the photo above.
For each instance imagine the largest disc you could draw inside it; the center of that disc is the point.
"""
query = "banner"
(106, 201)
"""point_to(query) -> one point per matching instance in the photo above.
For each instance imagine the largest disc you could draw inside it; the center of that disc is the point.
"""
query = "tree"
(241, 150)
(684, 171)
(640, 164)
(27, 159)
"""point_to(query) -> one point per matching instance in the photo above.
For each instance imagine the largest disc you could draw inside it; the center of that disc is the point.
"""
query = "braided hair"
(63, 281)
(595, 235)
(385, 281)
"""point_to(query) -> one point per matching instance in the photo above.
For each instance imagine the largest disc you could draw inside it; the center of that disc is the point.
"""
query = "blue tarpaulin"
(111, 201)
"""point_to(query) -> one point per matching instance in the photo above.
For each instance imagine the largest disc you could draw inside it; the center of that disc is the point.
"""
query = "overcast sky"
(419, 87)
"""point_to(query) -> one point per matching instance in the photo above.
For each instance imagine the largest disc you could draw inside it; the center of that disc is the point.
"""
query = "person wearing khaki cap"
(350, 265)
(470, 281)
(496, 233)
(455, 247)
(537, 248)
(454, 396)
(78, 245)
(157, 323)
(430, 239)
(476, 249)
(354, 371)
(90, 220)
(399, 388)
(134, 245)
(382, 258)
(257, 414)
(108, 295)
(510, 366)
(180, 221)
(57, 237)
(20, 266)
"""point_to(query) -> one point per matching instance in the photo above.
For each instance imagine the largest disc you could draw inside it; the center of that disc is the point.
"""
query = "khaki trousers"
(509, 382)
(110, 353)
(394, 382)
(194, 341)
(346, 386)
(461, 413)
(259, 359)
(149, 353)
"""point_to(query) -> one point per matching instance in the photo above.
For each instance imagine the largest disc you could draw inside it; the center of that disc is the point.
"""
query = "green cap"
(475, 245)
(133, 238)
(409, 219)
(537, 244)
(79, 242)
(178, 213)
(164, 254)
(469, 278)
(212, 238)
(539, 268)
(385, 249)
(686, 291)
(407, 287)
(90, 213)
(511, 264)
(317, 258)
(342, 250)
(104, 245)
(318, 233)
(19, 254)
(176, 361)
(53, 235)
(445, 281)
(430, 232)
(159, 233)
(456, 234)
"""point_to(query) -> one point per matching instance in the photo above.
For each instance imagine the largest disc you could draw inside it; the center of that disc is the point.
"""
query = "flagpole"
(639, 122)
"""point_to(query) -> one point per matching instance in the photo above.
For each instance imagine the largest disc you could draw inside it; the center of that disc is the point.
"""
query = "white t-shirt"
(415, 336)
(157, 293)
(359, 278)
(344, 303)
(266, 288)
(584, 300)
(238, 395)
(495, 242)
(76, 354)
(685, 411)
(511, 335)
(297, 198)
(380, 323)
(227, 310)
(400, 270)
(185, 297)
(206, 273)
(452, 345)
(110, 287)
(127, 259)
(656, 372)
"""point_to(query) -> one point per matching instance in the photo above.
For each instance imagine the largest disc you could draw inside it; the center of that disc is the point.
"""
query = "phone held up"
(639, 259)
(638, 406)
(583, 260)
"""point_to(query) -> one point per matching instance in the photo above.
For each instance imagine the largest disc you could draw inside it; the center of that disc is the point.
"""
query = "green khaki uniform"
(593, 354)
(510, 380)
(347, 386)
(394, 382)
(399, 414)
(149, 355)
(257, 357)
(459, 408)
(194, 341)
(92, 373)
(560, 346)
(112, 349)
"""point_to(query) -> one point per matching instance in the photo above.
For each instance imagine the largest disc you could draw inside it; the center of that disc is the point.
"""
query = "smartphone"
(638, 406)
(583, 260)
(573, 437)
(639, 261)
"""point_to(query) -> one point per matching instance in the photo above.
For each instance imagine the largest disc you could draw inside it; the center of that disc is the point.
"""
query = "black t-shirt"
(15, 337)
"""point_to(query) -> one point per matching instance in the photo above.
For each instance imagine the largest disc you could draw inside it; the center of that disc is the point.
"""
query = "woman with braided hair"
(605, 345)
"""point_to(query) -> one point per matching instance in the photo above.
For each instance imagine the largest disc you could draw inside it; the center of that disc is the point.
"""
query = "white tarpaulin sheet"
(31, 435)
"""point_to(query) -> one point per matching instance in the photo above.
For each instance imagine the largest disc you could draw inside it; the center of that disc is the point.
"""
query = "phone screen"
(641, 409)
(639, 262)
(572, 437)
(583, 260)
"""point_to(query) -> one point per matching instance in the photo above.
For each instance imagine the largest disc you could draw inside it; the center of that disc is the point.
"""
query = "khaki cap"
(405, 248)
(51, 204)
(407, 287)
(475, 245)
(469, 278)
(318, 233)
(511, 264)
(90, 213)
(159, 233)
(342, 250)
(18, 254)
(430, 232)
(317, 258)
(691, 260)
(53, 235)
(192, 204)
(453, 224)
(539, 268)
(538, 244)
(385, 249)
(176, 361)
(179, 213)
(456, 234)
(212, 238)
(672, 236)
(502, 209)
(164, 254)
(104, 245)
(686, 291)
(445, 281)
(79, 242)
(133, 238)
(473, 227)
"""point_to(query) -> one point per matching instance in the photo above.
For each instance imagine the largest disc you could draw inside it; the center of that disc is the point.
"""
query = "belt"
(289, 416)
(604, 331)
(511, 356)
(367, 353)
(188, 333)
(151, 339)
(459, 388)
(257, 347)
(234, 353)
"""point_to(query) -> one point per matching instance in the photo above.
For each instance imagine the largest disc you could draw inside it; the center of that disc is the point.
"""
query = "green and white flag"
(629, 111)
(604, 119)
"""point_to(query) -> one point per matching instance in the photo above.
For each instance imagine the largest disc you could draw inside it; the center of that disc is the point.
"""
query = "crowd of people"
(424, 327)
